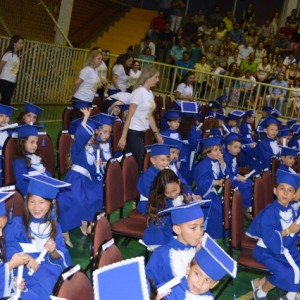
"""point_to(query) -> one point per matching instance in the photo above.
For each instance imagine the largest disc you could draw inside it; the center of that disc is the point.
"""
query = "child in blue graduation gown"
(167, 191)
(218, 127)
(209, 265)
(29, 115)
(79, 205)
(284, 136)
(209, 176)
(295, 140)
(172, 259)
(213, 107)
(287, 159)
(170, 124)
(232, 143)
(277, 230)
(38, 231)
(27, 158)
(233, 119)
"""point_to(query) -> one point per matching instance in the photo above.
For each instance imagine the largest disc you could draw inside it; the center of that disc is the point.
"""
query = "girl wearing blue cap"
(217, 126)
(170, 124)
(27, 156)
(209, 174)
(276, 228)
(29, 115)
(39, 232)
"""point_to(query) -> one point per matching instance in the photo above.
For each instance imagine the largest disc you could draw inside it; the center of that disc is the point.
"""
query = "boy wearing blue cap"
(284, 136)
(172, 259)
(210, 264)
(295, 140)
(29, 115)
(39, 236)
(276, 228)
(287, 159)
(170, 124)
(209, 174)
(233, 119)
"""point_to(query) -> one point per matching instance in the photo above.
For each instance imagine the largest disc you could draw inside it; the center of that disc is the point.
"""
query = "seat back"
(227, 193)
(117, 132)
(148, 137)
(108, 256)
(76, 287)
(47, 152)
(268, 185)
(168, 102)
(159, 103)
(8, 156)
(147, 162)
(67, 117)
(98, 101)
(274, 166)
(64, 142)
(114, 192)
(237, 220)
(15, 205)
(258, 195)
(130, 174)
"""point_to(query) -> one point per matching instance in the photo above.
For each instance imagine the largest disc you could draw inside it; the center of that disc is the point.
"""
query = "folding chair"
(114, 202)
(64, 142)
(47, 152)
(67, 117)
(258, 202)
(75, 287)
(15, 205)
(168, 102)
(117, 132)
(8, 156)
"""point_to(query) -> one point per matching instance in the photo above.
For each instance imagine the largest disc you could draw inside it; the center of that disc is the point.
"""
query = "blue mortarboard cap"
(29, 107)
(172, 114)
(104, 119)
(44, 186)
(159, 149)
(214, 104)
(90, 122)
(129, 274)
(211, 141)
(189, 107)
(275, 113)
(220, 117)
(124, 106)
(268, 121)
(222, 98)
(214, 261)
(3, 197)
(284, 131)
(290, 123)
(249, 113)
(288, 178)
(184, 213)
(172, 142)
(81, 104)
(232, 136)
(296, 128)
(266, 109)
(6, 110)
(287, 151)
(235, 115)
(28, 130)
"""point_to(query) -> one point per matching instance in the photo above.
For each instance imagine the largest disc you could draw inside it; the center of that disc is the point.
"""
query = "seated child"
(295, 140)
(172, 259)
(39, 231)
(170, 124)
(29, 115)
(233, 119)
(284, 136)
(287, 159)
(213, 107)
(209, 176)
(277, 229)
(218, 128)
(210, 264)
(233, 145)
(223, 102)
(265, 112)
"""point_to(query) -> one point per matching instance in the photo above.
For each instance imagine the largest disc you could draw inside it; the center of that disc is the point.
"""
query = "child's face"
(223, 104)
(174, 154)
(232, 123)
(30, 118)
(288, 160)
(198, 282)
(250, 119)
(105, 133)
(190, 233)
(174, 125)
(286, 138)
(31, 144)
(3, 221)
(172, 190)
(285, 193)
(215, 153)
(4, 120)
(221, 123)
(160, 162)
(116, 110)
(271, 131)
(234, 148)
(38, 207)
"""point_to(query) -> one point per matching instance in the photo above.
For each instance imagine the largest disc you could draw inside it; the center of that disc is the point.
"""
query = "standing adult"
(9, 68)
(140, 116)
(177, 13)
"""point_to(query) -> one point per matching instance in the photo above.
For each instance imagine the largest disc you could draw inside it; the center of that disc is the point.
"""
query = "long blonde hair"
(147, 73)
(92, 55)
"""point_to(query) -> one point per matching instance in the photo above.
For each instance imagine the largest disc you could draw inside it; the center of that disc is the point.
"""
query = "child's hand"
(196, 197)
(50, 246)
(220, 158)
(18, 259)
(122, 143)
(296, 197)
(98, 162)
(294, 228)
(21, 286)
(218, 182)
(86, 112)
(240, 178)
(32, 264)
(252, 145)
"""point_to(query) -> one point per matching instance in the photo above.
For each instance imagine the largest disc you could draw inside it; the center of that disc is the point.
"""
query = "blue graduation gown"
(169, 260)
(244, 187)
(205, 173)
(85, 196)
(285, 168)
(181, 292)
(267, 226)
(294, 143)
(174, 134)
(217, 132)
(43, 280)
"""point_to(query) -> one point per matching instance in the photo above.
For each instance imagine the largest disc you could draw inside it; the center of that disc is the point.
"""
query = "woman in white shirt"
(140, 116)
(134, 74)
(9, 68)
(87, 83)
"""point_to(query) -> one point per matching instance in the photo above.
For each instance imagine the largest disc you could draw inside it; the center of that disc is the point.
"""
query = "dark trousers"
(6, 90)
(135, 145)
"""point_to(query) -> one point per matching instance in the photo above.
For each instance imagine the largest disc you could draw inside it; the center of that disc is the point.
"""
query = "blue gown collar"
(175, 244)
(41, 220)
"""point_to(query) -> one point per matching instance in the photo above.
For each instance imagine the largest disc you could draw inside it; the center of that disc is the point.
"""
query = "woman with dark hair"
(120, 74)
(9, 67)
